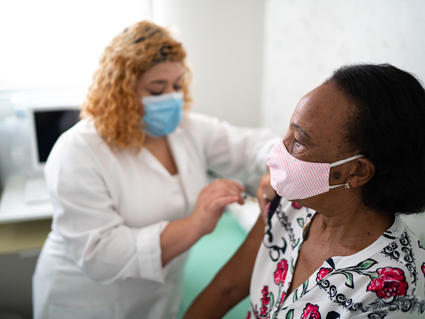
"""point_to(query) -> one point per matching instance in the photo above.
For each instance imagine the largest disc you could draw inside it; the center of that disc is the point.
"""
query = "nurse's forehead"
(322, 112)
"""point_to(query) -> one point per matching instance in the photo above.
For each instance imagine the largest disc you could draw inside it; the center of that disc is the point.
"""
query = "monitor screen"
(48, 125)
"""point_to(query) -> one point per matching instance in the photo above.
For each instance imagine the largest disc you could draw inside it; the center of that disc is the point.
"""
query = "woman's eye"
(178, 87)
(296, 146)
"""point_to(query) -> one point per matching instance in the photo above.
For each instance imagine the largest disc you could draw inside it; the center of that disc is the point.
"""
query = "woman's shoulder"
(398, 269)
(404, 241)
(390, 281)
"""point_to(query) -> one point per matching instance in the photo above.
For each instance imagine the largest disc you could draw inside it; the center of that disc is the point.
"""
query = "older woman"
(130, 187)
(352, 162)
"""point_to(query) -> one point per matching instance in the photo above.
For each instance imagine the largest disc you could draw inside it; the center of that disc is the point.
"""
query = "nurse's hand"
(212, 201)
(265, 194)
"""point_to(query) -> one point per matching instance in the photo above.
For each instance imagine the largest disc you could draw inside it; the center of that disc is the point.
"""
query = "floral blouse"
(384, 280)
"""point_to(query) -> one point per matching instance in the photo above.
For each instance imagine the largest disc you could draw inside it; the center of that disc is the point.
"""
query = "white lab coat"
(102, 258)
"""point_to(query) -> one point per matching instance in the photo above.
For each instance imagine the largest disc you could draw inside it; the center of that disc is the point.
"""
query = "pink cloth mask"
(294, 179)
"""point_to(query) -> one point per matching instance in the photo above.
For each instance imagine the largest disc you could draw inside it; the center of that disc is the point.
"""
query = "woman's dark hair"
(389, 129)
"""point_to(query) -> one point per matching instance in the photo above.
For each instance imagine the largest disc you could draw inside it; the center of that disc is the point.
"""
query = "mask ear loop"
(346, 160)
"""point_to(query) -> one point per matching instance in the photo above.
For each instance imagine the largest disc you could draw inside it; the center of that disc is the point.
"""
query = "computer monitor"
(46, 124)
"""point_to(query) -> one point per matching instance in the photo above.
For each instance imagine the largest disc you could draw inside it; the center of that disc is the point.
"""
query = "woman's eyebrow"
(300, 130)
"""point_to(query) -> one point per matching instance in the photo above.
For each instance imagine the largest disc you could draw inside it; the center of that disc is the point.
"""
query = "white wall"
(56, 44)
(50, 43)
(224, 40)
(306, 40)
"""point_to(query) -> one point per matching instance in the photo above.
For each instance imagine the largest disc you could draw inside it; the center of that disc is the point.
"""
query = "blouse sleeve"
(236, 152)
(86, 217)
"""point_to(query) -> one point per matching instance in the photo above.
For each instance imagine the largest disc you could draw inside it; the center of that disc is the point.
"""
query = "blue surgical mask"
(163, 113)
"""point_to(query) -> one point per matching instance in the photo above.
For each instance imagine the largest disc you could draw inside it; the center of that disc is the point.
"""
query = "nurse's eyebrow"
(180, 77)
(301, 131)
(158, 82)
(165, 81)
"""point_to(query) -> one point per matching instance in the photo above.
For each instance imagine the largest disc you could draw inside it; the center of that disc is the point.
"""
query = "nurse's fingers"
(223, 187)
(229, 183)
(220, 203)
(207, 215)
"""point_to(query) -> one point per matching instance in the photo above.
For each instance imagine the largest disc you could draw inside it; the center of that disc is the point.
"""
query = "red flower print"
(391, 282)
(296, 205)
(282, 298)
(322, 273)
(311, 312)
(423, 268)
(248, 315)
(280, 272)
(264, 301)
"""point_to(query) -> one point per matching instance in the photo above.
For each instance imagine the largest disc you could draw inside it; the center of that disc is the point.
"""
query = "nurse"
(130, 185)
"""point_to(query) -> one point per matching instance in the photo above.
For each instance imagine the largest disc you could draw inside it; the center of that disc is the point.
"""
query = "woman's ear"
(361, 172)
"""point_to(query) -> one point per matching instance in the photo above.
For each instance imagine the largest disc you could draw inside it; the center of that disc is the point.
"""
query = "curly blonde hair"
(111, 100)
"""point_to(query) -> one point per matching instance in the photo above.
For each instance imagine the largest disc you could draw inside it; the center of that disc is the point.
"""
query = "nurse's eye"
(177, 87)
(156, 92)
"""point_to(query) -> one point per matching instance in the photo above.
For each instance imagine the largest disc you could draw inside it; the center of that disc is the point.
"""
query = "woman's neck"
(353, 228)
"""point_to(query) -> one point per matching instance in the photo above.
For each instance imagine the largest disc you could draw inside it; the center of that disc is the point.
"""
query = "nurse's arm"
(231, 284)
(180, 235)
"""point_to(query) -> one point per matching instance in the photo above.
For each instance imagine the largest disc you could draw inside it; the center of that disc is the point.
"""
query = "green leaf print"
(271, 301)
(349, 281)
(292, 266)
(290, 314)
(300, 221)
(305, 286)
(366, 264)
(295, 296)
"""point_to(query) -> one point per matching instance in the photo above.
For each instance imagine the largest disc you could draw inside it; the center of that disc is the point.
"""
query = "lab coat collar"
(181, 150)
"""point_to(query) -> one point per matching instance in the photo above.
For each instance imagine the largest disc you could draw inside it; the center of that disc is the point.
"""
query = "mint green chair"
(207, 257)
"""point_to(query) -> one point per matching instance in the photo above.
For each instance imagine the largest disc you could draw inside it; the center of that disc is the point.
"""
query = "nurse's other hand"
(265, 194)
(211, 202)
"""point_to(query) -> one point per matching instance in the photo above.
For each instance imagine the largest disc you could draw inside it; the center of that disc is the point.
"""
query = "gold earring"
(347, 185)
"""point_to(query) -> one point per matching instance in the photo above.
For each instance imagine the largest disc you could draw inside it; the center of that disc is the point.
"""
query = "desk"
(20, 243)
(13, 207)
(23, 236)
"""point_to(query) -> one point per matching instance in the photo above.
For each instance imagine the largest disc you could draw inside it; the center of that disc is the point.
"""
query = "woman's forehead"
(323, 112)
